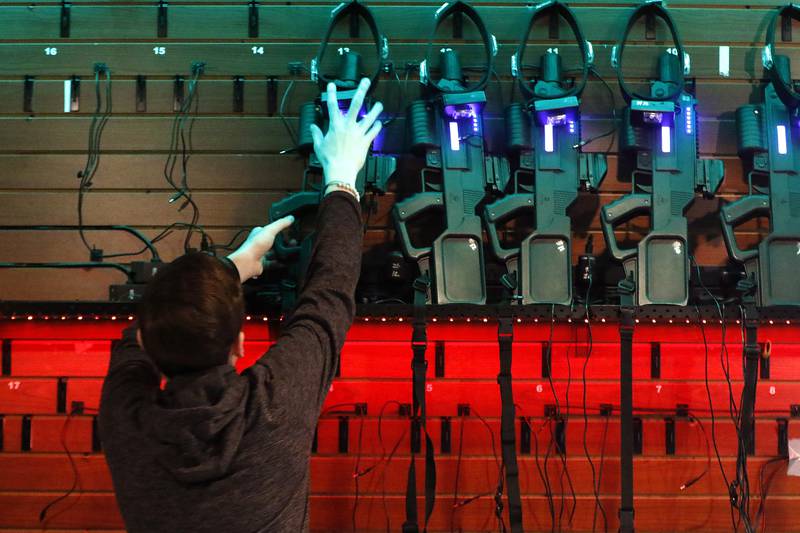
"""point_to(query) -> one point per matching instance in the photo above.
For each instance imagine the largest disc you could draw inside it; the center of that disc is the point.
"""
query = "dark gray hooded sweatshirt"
(220, 452)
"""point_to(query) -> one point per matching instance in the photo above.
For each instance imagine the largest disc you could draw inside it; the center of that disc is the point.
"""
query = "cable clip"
(614, 58)
(589, 53)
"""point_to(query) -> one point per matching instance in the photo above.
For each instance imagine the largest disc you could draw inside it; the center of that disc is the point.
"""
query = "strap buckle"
(505, 329)
(422, 284)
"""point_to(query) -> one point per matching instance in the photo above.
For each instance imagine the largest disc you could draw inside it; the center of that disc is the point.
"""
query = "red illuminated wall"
(375, 370)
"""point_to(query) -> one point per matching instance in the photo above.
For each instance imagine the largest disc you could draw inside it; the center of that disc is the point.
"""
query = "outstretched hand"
(249, 257)
(343, 149)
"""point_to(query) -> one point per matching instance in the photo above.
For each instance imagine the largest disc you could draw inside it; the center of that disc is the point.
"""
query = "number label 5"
(160, 50)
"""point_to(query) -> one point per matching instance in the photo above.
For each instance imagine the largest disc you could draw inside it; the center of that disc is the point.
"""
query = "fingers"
(358, 100)
(333, 105)
(370, 117)
(316, 135)
(374, 131)
(280, 225)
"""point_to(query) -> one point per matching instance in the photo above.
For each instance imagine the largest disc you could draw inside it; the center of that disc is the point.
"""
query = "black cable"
(764, 490)
(613, 129)
(229, 245)
(388, 459)
(281, 114)
(543, 473)
(178, 142)
(564, 473)
(742, 475)
(565, 420)
(558, 417)
(713, 418)
(702, 474)
(148, 243)
(356, 472)
(497, 461)
(595, 488)
(600, 477)
(99, 120)
(458, 473)
(738, 491)
(76, 479)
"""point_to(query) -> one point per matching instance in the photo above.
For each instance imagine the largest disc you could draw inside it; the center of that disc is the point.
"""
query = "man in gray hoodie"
(214, 450)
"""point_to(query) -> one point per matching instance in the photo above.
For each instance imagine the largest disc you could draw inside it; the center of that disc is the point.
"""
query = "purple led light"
(455, 144)
(571, 125)
(689, 121)
(666, 139)
(782, 144)
(549, 144)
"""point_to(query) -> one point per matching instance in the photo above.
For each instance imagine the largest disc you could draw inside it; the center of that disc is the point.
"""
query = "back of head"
(191, 314)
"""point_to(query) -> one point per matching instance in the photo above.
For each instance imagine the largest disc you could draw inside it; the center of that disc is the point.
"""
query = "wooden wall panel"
(236, 172)
(31, 479)
(236, 169)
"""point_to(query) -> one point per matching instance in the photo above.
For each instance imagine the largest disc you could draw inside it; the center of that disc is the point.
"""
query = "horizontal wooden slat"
(62, 358)
(602, 24)
(652, 475)
(61, 434)
(27, 396)
(86, 390)
(233, 172)
(477, 441)
(146, 171)
(334, 513)
(226, 58)
(715, 98)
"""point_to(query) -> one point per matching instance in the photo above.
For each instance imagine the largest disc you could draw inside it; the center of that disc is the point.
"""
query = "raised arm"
(305, 355)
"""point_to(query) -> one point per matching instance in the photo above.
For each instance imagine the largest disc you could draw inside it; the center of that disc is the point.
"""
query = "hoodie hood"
(198, 423)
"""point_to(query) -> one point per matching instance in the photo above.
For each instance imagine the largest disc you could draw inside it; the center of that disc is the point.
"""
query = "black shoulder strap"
(783, 87)
(337, 14)
(585, 46)
(505, 337)
(651, 7)
(419, 367)
(489, 44)
(626, 325)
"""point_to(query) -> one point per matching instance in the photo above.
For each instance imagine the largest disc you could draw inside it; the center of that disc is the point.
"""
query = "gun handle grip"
(405, 210)
(617, 212)
(737, 212)
(291, 205)
(500, 210)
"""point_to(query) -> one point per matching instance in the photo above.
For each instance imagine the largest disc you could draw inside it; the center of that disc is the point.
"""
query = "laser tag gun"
(659, 130)
(377, 170)
(447, 127)
(769, 139)
(544, 135)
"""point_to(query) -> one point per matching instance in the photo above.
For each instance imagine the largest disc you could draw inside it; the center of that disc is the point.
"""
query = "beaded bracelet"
(343, 186)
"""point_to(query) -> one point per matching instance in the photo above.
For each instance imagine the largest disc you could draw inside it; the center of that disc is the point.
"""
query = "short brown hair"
(191, 314)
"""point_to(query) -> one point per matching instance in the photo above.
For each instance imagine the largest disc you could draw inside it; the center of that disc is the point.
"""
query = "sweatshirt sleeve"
(306, 354)
(132, 376)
